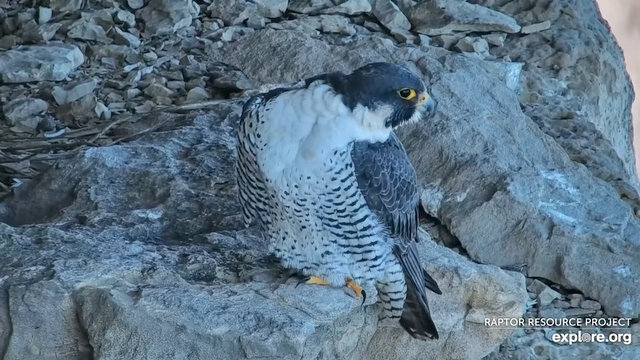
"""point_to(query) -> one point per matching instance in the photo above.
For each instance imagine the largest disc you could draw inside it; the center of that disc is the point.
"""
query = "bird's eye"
(407, 94)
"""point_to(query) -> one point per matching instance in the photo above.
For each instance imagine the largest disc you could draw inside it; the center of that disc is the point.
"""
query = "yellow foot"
(314, 280)
(351, 284)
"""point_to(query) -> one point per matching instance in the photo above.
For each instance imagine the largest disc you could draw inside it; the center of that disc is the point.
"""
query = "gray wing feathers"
(387, 180)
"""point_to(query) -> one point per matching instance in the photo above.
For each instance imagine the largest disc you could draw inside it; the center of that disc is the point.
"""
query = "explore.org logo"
(571, 330)
(580, 337)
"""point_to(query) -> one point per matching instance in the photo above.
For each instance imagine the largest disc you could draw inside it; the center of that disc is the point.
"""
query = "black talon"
(304, 279)
(364, 297)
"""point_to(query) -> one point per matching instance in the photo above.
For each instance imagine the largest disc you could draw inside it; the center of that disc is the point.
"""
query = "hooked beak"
(426, 105)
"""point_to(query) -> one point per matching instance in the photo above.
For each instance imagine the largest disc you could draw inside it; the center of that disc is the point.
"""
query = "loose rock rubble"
(528, 166)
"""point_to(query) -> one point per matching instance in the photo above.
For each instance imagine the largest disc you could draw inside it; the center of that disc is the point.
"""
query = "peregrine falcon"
(331, 186)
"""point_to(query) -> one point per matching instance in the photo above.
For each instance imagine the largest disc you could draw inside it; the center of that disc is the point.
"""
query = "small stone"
(150, 56)
(350, 7)
(271, 8)
(575, 300)
(534, 28)
(44, 14)
(65, 5)
(78, 111)
(113, 96)
(135, 4)
(22, 111)
(197, 94)
(125, 17)
(163, 100)
(446, 41)
(75, 92)
(102, 111)
(231, 33)
(125, 38)
(164, 17)
(496, 39)
(26, 15)
(86, 30)
(52, 62)
(196, 82)
(424, 40)
(175, 85)
(9, 41)
(535, 286)
(547, 296)
(590, 305)
(144, 108)
(132, 93)
(336, 24)
(562, 304)
(109, 62)
(33, 33)
(391, 16)
(156, 90)
(173, 75)
(473, 44)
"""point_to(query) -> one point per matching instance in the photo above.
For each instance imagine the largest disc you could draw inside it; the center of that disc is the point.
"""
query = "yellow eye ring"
(407, 94)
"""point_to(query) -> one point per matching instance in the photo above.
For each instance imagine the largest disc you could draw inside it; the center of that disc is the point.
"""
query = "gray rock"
(437, 17)
(496, 39)
(44, 14)
(65, 5)
(125, 17)
(271, 8)
(52, 62)
(125, 38)
(389, 15)
(132, 93)
(575, 299)
(73, 92)
(603, 127)
(336, 24)
(534, 28)
(24, 111)
(197, 94)
(102, 111)
(9, 41)
(590, 305)
(350, 7)
(546, 296)
(31, 32)
(135, 4)
(157, 90)
(473, 44)
(79, 111)
(86, 29)
(309, 6)
(163, 17)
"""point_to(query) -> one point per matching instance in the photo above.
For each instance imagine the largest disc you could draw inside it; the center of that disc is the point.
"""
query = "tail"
(403, 295)
(416, 318)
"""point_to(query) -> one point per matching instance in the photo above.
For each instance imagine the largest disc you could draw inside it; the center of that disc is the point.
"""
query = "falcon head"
(383, 95)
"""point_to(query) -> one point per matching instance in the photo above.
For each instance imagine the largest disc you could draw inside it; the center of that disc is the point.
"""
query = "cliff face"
(131, 246)
(620, 16)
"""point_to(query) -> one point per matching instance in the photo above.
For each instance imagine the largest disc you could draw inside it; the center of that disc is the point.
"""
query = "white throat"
(306, 126)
